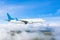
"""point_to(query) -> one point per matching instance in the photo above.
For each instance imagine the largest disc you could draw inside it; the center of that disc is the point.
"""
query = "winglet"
(16, 19)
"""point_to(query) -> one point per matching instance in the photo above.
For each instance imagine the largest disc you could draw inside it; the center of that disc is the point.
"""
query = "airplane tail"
(9, 17)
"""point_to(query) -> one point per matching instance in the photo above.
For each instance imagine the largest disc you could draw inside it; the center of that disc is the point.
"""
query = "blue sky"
(29, 8)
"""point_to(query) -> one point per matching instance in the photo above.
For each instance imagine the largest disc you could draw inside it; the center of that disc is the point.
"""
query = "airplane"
(25, 21)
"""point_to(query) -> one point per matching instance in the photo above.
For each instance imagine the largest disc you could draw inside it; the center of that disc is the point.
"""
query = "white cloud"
(53, 21)
(54, 24)
(6, 28)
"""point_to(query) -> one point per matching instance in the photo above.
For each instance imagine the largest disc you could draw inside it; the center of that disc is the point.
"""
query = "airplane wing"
(24, 21)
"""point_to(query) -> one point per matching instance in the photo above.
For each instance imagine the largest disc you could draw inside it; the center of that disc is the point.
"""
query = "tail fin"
(9, 17)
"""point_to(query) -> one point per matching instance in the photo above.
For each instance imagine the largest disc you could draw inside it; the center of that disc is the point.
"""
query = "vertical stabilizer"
(9, 17)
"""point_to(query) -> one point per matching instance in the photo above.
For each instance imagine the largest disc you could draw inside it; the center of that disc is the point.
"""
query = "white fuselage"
(29, 21)
(34, 20)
